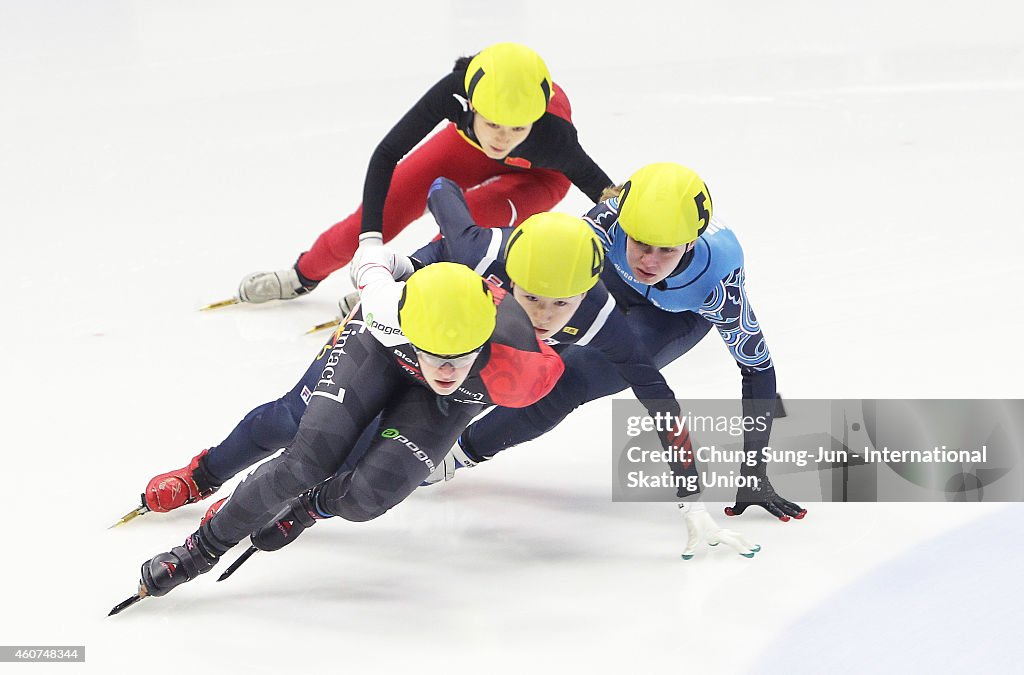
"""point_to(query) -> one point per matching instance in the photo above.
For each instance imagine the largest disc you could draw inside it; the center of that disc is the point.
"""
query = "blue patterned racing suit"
(706, 290)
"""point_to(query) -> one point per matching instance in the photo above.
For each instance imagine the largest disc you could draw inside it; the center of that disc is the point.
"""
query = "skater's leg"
(413, 437)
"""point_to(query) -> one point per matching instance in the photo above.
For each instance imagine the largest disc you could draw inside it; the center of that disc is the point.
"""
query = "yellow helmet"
(508, 84)
(664, 204)
(555, 255)
(446, 309)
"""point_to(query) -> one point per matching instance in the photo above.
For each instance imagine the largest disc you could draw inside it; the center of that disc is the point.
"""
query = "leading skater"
(472, 346)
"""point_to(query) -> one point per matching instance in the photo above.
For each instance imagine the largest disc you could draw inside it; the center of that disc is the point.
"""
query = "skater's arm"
(435, 106)
(729, 309)
(464, 240)
(610, 333)
(576, 164)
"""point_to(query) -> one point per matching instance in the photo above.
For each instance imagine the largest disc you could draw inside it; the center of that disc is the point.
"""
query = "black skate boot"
(166, 571)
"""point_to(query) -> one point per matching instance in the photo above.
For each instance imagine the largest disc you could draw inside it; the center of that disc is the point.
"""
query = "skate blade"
(336, 322)
(222, 303)
(131, 515)
(121, 606)
(238, 563)
(322, 326)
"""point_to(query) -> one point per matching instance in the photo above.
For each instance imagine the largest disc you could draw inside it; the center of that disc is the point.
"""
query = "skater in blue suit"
(676, 272)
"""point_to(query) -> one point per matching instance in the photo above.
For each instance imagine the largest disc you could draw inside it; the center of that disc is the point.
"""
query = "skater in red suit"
(510, 144)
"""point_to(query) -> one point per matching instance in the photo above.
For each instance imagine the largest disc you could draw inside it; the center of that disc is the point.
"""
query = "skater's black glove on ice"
(764, 495)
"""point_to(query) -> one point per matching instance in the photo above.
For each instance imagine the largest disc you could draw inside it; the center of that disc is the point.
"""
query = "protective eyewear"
(455, 361)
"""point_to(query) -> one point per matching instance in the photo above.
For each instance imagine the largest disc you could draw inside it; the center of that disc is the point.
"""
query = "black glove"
(294, 518)
(764, 495)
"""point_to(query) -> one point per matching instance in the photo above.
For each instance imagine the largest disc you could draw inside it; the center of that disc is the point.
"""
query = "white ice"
(867, 154)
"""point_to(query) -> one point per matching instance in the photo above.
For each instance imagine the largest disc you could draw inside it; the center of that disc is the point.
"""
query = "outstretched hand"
(701, 528)
(764, 495)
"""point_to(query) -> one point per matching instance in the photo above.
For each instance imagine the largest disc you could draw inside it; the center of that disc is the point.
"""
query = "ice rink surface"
(868, 156)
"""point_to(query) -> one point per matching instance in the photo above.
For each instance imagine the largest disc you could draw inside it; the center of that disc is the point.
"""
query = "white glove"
(455, 458)
(367, 241)
(372, 256)
(701, 527)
